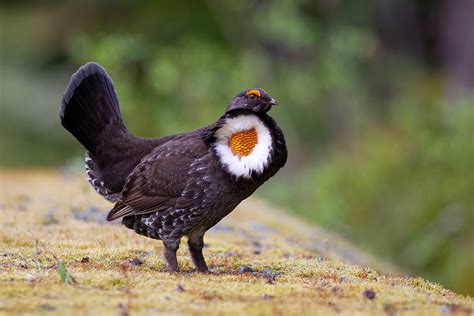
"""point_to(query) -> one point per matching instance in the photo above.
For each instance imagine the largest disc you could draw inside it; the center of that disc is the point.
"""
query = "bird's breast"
(243, 145)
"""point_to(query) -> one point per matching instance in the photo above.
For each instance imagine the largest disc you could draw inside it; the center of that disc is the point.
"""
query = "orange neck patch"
(242, 143)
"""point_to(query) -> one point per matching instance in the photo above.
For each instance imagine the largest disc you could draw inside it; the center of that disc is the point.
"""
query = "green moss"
(290, 275)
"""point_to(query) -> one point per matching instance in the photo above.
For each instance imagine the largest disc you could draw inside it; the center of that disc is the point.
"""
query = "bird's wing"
(158, 181)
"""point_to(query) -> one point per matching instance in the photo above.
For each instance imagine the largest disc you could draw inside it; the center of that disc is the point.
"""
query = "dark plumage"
(179, 185)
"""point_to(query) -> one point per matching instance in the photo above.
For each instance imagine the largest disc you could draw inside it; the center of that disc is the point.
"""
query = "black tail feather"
(90, 107)
(90, 112)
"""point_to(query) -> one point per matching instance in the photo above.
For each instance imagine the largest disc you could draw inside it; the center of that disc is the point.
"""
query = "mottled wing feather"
(160, 178)
(198, 200)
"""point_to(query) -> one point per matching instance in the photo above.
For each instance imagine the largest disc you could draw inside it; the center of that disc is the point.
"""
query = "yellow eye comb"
(253, 91)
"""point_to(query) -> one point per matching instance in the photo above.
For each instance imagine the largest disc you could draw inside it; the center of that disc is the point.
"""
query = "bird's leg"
(196, 243)
(169, 253)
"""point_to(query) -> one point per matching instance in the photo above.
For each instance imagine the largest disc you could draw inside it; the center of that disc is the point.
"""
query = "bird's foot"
(169, 254)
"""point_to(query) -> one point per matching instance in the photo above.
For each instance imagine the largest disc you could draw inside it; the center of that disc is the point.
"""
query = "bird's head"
(256, 100)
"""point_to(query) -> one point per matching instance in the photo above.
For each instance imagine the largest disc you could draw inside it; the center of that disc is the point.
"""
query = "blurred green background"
(376, 102)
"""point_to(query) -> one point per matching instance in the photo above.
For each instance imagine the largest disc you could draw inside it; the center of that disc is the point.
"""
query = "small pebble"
(343, 280)
(135, 261)
(246, 270)
(180, 288)
(267, 297)
(270, 280)
(270, 273)
(336, 289)
(370, 294)
(143, 253)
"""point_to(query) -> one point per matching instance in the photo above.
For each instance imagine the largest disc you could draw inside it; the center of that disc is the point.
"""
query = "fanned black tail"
(90, 111)
(90, 108)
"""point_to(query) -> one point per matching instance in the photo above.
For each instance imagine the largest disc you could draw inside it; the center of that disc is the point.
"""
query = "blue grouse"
(179, 185)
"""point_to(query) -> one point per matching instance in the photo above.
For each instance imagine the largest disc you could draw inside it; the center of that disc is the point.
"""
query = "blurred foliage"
(405, 190)
(377, 152)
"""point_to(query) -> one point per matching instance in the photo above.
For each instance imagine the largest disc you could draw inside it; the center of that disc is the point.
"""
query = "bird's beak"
(265, 107)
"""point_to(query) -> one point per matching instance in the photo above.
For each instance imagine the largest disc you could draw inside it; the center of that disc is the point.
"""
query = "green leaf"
(64, 273)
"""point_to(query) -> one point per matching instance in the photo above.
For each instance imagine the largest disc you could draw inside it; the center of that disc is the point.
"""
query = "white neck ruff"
(258, 159)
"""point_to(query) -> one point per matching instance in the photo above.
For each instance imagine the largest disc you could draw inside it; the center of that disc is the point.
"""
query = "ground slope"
(59, 256)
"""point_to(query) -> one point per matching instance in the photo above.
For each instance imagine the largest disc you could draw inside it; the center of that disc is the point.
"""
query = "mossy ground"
(50, 217)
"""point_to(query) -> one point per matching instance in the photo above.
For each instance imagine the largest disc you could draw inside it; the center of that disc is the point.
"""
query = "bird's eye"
(253, 94)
